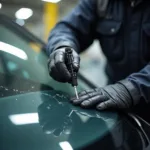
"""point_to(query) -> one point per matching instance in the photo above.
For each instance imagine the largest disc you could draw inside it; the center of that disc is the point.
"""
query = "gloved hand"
(121, 95)
(57, 65)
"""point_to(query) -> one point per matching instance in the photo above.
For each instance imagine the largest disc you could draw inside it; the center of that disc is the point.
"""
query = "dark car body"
(35, 112)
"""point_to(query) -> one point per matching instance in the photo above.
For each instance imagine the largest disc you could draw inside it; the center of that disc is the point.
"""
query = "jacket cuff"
(134, 92)
(66, 44)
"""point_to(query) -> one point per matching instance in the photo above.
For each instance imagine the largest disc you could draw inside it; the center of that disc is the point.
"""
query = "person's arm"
(76, 30)
(124, 94)
(141, 80)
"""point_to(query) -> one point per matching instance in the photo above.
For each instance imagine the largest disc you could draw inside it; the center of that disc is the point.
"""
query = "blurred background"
(40, 16)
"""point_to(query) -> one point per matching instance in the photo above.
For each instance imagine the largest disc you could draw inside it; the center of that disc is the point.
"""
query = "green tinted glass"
(24, 58)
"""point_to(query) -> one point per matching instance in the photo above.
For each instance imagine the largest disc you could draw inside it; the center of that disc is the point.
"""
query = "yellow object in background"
(50, 17)
(36, 47)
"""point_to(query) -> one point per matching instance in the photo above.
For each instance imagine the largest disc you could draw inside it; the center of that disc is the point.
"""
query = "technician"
(123, 29)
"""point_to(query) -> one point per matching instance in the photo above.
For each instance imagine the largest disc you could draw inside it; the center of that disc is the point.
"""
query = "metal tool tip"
(75, 88)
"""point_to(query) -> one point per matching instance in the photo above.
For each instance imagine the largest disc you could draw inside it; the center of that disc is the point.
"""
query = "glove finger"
(50, 62)
(93, 101)
(51, 65)
(83, 98)
(73, 98)
(63, 71)
(82, 94)
(52, 69)
(61, 66)
(56, 76)
(76, 63)
(86, 92)
(110, 104)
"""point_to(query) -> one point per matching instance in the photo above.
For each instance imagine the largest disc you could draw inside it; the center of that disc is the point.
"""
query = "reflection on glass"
(13, 50)
(0, 5)
(23, 119)
(65, 145)
(21, 22)
(57, 116)
(24, 13)
(52, 1)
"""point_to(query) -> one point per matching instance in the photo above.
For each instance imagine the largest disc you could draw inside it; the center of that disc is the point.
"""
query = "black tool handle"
(69, 62)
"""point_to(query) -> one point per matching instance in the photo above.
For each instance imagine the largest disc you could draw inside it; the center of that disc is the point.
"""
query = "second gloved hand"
(116, 96)
(57, 65)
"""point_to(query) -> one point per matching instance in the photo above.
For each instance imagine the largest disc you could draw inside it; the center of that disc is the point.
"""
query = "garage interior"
(25, 103)
(44, 15)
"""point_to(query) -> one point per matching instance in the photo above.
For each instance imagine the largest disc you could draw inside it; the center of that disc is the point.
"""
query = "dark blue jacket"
(124, 34)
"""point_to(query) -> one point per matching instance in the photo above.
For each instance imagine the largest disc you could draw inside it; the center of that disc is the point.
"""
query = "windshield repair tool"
(70, 67)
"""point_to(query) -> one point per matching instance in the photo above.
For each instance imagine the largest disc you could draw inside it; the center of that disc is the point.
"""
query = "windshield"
(24, 60)
(56, 123)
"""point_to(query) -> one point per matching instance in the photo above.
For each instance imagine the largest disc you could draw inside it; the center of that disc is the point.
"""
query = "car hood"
(46, 120)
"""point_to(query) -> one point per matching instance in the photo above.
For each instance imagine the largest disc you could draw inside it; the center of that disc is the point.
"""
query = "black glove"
(57, 65)
(121, 95)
